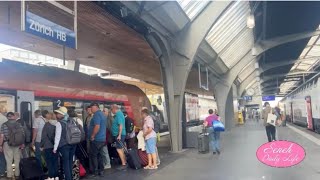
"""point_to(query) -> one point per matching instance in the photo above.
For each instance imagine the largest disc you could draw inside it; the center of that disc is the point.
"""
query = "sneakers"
(107, 166)
(56, 178)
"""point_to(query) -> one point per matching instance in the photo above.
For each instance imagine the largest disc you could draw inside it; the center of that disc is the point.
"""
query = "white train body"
(302, 106)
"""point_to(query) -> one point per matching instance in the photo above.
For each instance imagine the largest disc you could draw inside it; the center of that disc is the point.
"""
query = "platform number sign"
(57, 104)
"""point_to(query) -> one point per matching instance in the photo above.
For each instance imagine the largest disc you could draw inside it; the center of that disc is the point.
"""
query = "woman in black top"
(47, 143)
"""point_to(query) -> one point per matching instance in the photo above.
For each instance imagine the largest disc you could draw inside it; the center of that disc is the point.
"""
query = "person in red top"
(214, 135)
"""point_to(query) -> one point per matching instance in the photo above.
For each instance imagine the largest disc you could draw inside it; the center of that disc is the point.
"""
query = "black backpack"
(156, 122)
(129, 125)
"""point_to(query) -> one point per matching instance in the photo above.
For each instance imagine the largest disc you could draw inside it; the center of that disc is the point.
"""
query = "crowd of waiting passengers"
(60, 138)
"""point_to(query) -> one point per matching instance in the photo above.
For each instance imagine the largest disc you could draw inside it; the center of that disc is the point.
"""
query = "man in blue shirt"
(97, 132)
(118, 129)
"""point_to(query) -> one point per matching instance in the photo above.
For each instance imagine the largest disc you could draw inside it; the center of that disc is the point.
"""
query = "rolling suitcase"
(203, 142)
(132, 156)
(83, 156)
(29, 168)
(143, 157)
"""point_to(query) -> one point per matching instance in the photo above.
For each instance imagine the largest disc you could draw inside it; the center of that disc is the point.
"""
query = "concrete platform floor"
(237, 161)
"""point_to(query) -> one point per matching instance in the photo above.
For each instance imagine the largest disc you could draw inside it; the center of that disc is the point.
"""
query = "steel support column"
(176, 61)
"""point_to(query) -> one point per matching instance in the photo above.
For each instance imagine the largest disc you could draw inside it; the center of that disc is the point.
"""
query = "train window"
(44, 105)
(7, 103)
(76, 106)
(108, 105)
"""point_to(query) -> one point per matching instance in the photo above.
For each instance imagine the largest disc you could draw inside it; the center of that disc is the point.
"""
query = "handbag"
(218, 126)
(272, 119)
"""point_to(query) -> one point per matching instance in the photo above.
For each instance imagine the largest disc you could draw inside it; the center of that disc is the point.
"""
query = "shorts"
(123, 138)
(151, 145)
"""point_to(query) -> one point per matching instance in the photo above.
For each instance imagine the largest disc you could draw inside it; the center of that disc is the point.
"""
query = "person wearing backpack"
(64, 142)
(156, 123)
(150, 137)
(12, 140)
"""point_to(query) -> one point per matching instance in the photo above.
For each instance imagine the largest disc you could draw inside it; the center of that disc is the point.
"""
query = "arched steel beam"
(181, 56)
(249, 80)
(264, 45)
(269, 66)
(269, 77)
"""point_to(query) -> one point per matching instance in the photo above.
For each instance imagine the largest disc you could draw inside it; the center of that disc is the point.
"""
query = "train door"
(309, 113)
(25, 106)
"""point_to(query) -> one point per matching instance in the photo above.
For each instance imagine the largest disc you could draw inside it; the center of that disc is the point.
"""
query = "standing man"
(97, 132)
(3, 164)
(38, 125)
(118, 130)
(105, 152)
(11, 147)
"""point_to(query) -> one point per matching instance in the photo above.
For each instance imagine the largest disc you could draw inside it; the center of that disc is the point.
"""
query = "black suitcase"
(30, 169)
(82, 155)
(203, 143)
(132, 156)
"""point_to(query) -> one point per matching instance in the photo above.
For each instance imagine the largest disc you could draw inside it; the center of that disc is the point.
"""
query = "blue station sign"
(247, 98)
(46, 29)
(268, 98)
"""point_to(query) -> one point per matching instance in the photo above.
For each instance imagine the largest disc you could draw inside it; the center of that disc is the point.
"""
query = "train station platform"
(237, 160)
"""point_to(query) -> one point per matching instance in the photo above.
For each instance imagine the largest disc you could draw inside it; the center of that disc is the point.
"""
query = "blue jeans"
(215, 140)
(3, 164)
(96, 156)
(67, 153)
(38, 153)
(105, 156)
(52, 163)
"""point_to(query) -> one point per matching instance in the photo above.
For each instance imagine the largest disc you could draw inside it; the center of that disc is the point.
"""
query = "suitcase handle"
(24, 153)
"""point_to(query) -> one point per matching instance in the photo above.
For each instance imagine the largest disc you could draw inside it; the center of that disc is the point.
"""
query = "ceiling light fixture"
(250, 21)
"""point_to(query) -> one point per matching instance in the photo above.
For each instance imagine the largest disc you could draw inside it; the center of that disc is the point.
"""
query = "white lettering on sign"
(62, 36)
(36, 26)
